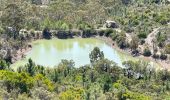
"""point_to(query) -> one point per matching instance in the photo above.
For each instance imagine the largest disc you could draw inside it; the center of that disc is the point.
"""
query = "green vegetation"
(102, 79)
(167, 49)
(147, 52)
(139, 17)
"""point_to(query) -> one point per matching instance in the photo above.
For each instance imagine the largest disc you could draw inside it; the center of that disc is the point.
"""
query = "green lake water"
(51, 52)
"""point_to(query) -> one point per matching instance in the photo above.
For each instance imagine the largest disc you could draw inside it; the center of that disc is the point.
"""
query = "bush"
(142, 41)
(101, 32)
(1, 30)
(41, 93)
(147, 52)
(128, 29)
(108, 32)
(167, 48)
(65, 26)
(88, 33)
(121, 40)
(163, 56)
(64, 34)
(142, 35)
(32, 32)
(135, 22)
(156, 56)
(161, 37)
(161, 44)
(46, 33)
(83, 26)
(114, 36)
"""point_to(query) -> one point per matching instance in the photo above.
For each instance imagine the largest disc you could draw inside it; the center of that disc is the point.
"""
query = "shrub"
(1, 30)
(64, 26)
(163, 56)
(142, 41)
(135, 22)
(161, 44)
(88, 33)
(142, 35)
(121, 40)
(114, 36)
(46, 33)
(147, 52)
(101, 32)
(108, 32)
(32, 32)
(167, 48)
(83, 26)
(128, 29)
(41, 93)
(156, 56)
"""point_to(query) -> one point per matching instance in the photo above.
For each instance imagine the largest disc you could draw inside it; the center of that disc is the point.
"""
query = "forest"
(141, 29)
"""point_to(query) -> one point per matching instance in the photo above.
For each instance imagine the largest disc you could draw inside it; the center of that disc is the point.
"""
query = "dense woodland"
(22, 21)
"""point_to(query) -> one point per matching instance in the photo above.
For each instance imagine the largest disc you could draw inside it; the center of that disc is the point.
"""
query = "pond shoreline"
(20, 54)
(162, 64)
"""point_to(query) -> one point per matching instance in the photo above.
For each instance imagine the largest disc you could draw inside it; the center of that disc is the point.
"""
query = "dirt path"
(151, 36)
(128, 37)
(163, 64)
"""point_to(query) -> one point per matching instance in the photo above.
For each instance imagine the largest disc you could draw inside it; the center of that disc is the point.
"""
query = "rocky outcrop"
(64, 34)
(110, 24)
(41, 2)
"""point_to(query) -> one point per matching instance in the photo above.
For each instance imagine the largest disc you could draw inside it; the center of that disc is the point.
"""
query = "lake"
(51, 52)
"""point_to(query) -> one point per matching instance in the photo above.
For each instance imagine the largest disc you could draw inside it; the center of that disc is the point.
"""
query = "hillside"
(138, 28)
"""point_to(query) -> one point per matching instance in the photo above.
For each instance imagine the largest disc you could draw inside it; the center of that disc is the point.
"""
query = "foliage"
(147, 52)
(137, 80)
(163, 56)
(134, 43)
(161, 38)
(46, 33)
(15, 80)
(114, 35)
(13, 16)
(101, 80)
(96, 55)
(72, 94)
(167, 48)
(121, 40)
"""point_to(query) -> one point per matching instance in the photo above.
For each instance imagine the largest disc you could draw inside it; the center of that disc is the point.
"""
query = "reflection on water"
(51, 52)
